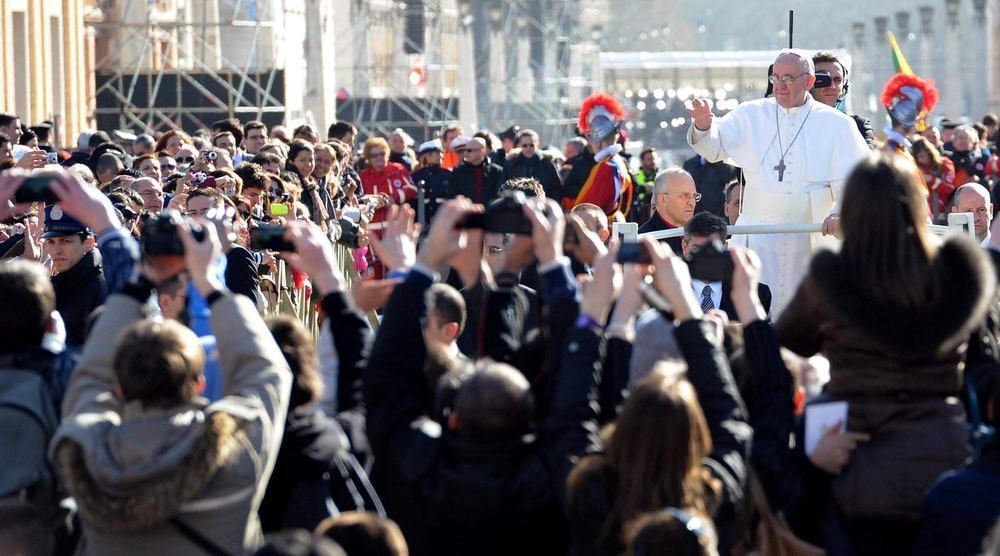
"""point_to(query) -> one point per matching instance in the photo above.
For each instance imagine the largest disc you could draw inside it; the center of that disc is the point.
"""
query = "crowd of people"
(255, 340)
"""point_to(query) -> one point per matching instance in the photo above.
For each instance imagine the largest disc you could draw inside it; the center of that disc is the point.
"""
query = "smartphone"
(271, 238)
(634, 252)
(52, 158)
(36, 189)
(279, 209)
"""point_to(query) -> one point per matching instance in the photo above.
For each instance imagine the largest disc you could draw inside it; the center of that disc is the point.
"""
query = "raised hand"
(315, 256)
(673, 280)
(83, 202)
(9, 182)
(602, 289)
(701, 113)
(588, 246)
(746, 277)
(370, 295)
(444, 240)
(199, 255)
(32, 160)
(398, 246)
(547, 228)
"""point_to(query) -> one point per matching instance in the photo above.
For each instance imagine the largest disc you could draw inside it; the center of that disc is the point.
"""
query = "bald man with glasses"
(674, 198)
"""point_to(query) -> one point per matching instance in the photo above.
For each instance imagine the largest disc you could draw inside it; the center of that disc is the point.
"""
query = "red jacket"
(942, 182)
(393, 181)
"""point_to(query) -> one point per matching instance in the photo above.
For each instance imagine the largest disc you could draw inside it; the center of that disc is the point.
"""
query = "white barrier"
(957, 223)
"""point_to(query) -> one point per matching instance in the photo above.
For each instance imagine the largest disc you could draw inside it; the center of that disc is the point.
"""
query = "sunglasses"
(185, 160)
(528, 146)
(376, 154)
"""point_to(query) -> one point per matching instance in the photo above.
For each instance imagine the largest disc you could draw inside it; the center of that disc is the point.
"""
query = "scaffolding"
(162, 64)
(392, 81)
(534, 83)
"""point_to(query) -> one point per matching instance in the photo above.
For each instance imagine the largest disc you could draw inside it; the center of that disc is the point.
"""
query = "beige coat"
(131, 469)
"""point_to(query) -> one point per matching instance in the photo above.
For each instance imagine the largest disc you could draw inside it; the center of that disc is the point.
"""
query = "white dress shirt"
(698, 286)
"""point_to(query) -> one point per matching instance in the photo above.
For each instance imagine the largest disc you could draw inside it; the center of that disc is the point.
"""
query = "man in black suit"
(674, 198)
(703, 228)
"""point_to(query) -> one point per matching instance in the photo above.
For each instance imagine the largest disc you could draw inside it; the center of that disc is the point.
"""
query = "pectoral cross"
(781, 169)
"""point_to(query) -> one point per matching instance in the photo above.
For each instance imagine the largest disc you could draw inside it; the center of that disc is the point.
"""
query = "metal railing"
(961, 223)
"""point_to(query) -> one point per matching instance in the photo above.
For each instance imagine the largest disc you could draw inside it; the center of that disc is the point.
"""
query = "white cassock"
(816, 165)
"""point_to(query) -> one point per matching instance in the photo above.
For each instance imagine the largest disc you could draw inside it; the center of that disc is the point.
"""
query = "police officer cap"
(59, 224)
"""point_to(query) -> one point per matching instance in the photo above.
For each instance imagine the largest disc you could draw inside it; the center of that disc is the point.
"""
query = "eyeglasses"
(528, 146)
(185, 160)
(785, 80)
(686, 196)
(376, 154)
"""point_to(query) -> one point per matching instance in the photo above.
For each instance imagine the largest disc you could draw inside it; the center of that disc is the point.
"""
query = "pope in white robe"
(796, 154)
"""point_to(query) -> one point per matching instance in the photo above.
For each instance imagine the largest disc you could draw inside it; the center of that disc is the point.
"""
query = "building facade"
(47, 68)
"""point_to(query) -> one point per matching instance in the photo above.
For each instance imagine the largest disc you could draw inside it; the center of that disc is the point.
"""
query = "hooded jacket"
(133, 469)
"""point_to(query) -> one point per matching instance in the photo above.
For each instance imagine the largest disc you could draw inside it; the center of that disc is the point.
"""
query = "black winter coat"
(521, 166)
(433, 181)
(464, 183)
(578, 170)
(710, 178)
(454, 496)
(314, 450)
(79, 291)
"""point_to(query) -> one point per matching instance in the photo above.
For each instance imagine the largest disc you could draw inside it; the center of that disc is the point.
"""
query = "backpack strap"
(201, 541)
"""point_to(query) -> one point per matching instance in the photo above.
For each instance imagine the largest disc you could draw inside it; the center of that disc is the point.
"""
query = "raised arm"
(570, 429)
(708, 372)
(709, 136)
(395, 391)
(771, 398)
(315, 256)
(254, 371)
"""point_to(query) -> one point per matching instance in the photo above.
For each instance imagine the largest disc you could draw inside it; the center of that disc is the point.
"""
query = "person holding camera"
(678, 443)
(471, 479)
(153, 467)
(832, 91)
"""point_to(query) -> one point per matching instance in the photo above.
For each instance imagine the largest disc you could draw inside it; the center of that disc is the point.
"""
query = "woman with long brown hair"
(680, 442)
(893, 312)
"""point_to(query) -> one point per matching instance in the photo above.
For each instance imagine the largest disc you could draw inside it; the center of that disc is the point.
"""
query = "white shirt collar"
(804, 108)
(986, 240)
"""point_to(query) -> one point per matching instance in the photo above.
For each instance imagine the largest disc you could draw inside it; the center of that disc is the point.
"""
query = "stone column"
(979, 71)
(951, 91)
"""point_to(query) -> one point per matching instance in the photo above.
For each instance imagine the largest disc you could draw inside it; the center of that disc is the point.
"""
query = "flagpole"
(791, 27)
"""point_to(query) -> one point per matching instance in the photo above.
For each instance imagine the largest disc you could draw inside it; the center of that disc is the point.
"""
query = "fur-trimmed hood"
(968, 284)
(139, 503)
